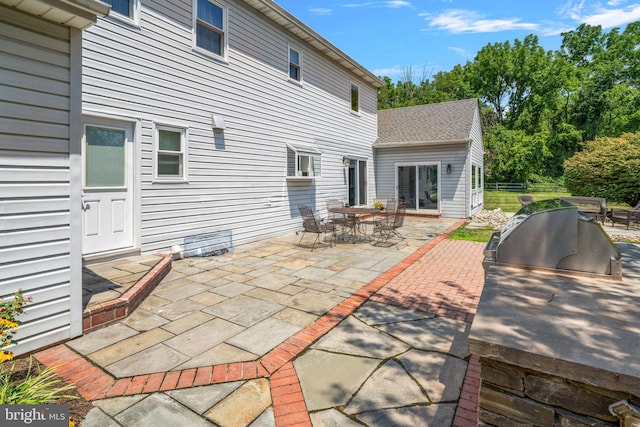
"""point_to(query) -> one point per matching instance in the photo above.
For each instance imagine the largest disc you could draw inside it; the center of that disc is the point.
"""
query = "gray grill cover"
(552, 234)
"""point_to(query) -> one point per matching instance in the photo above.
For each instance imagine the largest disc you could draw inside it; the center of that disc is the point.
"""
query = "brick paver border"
(288, 403)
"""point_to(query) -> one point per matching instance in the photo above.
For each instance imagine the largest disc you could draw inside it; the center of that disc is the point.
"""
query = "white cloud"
(462, 52)
(614, 15)
(608, 18)
(397, 3)
(467, 21)
(572, 10)
(393, 72)
(320, 11)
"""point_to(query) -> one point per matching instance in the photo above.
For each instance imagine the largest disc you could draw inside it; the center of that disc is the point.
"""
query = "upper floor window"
(211, 26)
(171, 153)
(123, 8)
(355, 98)
(295, 64)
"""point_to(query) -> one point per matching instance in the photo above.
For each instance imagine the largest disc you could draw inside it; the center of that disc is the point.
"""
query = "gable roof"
(430, 124)
(280, 16)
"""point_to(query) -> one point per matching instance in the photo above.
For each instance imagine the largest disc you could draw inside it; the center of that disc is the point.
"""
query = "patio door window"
(417, 186)
(357, 182)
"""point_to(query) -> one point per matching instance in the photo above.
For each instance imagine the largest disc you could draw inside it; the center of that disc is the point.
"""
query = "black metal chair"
(339, 220)
(312, 224)
(388, 226)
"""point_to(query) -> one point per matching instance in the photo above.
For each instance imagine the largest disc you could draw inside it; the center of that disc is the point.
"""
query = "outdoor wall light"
(346, 162)
(449, 169)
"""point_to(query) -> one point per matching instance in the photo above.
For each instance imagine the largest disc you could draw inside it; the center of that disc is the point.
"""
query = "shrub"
(606, 167)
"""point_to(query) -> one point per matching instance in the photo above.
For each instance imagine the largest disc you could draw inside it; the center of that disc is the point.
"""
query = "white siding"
(452, 187)
(35, 226)
(236, 177)
(477, 158)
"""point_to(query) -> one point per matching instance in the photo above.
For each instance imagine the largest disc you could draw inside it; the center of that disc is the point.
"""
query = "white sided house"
(216, 117)
(431, 158)
(164, 122)
(40, 163)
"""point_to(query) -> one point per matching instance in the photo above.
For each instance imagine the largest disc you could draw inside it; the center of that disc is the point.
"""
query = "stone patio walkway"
(277, 335)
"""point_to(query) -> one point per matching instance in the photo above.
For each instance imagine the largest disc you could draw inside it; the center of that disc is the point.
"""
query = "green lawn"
(508, 201)
(472, 234)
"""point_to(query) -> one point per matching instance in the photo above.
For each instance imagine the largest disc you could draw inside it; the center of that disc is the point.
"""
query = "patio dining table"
(355, 215)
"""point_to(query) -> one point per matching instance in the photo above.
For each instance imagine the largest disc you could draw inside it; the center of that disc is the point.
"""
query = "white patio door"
(417, 186)
(107, 190)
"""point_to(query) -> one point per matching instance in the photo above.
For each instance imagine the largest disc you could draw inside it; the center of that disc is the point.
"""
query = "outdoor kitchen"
(557, 327)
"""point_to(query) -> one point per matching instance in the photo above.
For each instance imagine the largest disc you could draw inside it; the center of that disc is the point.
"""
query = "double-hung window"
(211, 26)
(355, 98)
(171, 153)
(295, 64)
(302, 161)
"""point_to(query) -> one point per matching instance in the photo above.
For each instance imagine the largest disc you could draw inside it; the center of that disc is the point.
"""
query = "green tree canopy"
(543, 104)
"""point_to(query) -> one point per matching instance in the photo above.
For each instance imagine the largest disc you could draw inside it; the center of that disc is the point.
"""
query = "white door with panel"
(107, 190)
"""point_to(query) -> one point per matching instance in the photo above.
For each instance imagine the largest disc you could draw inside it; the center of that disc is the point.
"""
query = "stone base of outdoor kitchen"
(558, 350)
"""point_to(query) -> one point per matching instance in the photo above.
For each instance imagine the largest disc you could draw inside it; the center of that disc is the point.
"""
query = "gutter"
(421, 143)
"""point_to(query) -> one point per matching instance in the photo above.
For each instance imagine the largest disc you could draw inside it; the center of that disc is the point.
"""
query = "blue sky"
(428, 36)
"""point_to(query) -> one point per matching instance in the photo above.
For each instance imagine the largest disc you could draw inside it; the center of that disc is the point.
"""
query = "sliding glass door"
(417, 186)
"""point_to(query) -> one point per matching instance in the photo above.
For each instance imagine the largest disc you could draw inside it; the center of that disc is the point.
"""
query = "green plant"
(607, 167)
(9, 310)
(38, 387)
(33, 387)
(378, 205)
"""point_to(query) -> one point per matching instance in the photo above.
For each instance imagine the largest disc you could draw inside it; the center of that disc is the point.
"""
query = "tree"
(450, 86)
(607, 68)
(607, 167)
(512, 155)
(489, 76)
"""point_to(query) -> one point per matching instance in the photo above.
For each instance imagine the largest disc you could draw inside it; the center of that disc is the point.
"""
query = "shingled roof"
(430, 124)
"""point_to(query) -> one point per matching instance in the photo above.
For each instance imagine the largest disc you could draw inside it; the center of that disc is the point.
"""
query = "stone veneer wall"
(515, 396)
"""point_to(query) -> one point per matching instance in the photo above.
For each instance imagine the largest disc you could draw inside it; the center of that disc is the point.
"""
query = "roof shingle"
(426, 124)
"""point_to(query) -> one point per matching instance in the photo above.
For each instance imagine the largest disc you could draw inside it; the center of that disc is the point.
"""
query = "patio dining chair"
(388, 226)
(391, 205)
(339, 220)
(312, 224)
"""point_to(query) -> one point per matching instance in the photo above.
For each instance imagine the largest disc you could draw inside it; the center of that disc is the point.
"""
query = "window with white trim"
(355, 98)
(303, 161)
(211, 26)
(295, 64)
(170, 153)
(124, 9)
